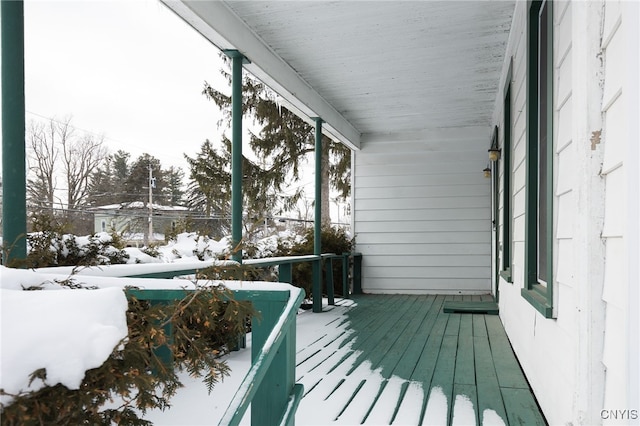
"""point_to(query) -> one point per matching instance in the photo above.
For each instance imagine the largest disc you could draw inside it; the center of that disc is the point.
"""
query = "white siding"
(614, 171)
(585, 359)
(550, 350)
(422, 212)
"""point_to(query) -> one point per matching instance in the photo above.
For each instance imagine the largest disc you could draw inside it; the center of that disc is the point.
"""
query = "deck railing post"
(164, 352)
(272, 395)
(316, 292)
(285, 273)
(345, 275)
(329, 280)
(357, 273)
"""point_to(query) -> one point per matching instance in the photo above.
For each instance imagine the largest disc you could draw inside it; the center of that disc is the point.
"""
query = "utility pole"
(152, 184)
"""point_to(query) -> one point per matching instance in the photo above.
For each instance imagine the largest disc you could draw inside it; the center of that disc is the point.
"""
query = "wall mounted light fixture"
(487, 172)
(494, 151)
(494, 154)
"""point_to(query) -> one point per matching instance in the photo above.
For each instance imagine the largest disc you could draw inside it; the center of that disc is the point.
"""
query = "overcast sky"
(131, 70)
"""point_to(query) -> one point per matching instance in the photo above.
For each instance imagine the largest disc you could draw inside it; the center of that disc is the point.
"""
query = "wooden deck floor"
(399, 359)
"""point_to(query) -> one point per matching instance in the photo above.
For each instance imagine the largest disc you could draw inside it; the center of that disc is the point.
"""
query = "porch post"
(14, 191)
(236, 153)
(317, 230)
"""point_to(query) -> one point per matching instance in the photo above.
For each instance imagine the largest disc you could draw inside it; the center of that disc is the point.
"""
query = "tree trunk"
(324, 170)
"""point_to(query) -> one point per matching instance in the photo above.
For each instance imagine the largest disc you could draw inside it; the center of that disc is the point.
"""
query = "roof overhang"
(368, 68)
(220, 25)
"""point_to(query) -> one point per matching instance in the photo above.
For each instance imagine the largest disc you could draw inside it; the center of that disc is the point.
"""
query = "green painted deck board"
(471, 393)
(489, 393)
(505, 362)
(453, 325)
(391, 351)
(471, 306)
(521, 407)
(378, 337)
(465, 365)
(445, 369)
(479, 326)
(407, 348)
(423, 371)
(415, 347)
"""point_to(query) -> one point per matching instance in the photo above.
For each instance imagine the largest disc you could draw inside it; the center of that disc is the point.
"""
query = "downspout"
(14, 191)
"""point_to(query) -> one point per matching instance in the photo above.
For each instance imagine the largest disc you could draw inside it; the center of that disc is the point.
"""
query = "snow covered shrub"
(334, 240)
(179, 226)
(270, 246)
(236, 273)
(49, 245)
(50, 248)
(206, 324)
(151, 250)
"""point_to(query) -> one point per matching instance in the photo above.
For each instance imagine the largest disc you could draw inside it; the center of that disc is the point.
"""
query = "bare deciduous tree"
(80, 157)
(42, 158)
(55, 150)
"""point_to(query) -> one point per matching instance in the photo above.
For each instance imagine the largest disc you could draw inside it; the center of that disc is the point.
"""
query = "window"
(495, 209)
(103, 225)
(507, 236)
(539, 186)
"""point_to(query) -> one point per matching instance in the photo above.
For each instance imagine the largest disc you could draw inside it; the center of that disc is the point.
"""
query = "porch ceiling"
(368, 68)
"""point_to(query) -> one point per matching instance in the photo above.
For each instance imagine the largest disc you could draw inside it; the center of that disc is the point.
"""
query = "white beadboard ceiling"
(368, 68)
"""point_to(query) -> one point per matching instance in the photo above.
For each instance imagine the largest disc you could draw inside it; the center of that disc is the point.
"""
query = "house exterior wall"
(105, 222)
(124, 223)
(619, 107)
(577, 361)
(422, 212)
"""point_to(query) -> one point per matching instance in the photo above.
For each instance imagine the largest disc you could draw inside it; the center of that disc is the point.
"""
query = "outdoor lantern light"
(487, 172)
(494, 154)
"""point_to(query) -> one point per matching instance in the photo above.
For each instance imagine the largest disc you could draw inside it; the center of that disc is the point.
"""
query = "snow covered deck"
(399, 359)
(386, 359)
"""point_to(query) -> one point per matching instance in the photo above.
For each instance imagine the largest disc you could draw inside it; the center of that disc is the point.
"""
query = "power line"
(97, 135)
(132, 213)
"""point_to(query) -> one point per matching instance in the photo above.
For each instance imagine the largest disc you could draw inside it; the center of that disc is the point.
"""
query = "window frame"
(507, 212)
(495, 211)
(538, 292)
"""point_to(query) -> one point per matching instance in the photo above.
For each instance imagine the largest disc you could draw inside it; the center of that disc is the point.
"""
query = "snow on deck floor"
(339, 387)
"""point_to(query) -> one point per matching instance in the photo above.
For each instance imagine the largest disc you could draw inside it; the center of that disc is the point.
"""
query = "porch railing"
(269, 386)
(351, 262)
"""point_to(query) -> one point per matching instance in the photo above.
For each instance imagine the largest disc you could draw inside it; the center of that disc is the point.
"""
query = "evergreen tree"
(117, 181)
(121, 167)
(173, 193)
(106, 185)
(209, 191)
(101, 184)
(282, 145)
(136, 184)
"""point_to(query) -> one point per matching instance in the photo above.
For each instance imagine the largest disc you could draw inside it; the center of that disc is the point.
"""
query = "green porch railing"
(285, 270)
(269, 386)
(351, 268)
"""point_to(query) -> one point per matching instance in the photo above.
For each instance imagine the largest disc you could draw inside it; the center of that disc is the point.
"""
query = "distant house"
(132, 219)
